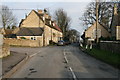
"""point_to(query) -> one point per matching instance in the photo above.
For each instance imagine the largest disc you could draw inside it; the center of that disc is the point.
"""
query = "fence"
(112, 46)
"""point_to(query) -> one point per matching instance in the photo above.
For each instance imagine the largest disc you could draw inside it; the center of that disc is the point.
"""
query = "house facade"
(90, 33)
(35, 23)
(115, 28)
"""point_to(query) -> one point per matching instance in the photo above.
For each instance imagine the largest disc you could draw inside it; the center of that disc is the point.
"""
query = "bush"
(22, 38)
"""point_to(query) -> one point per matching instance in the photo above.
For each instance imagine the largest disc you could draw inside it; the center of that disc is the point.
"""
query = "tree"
(105, 10)
(8, 19)
(62, 20)
(73, 35)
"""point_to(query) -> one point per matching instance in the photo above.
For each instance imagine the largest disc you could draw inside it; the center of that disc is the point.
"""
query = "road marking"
(73, 74)
(65, 56)
(71, 70)
(34, 54)
(66, 59)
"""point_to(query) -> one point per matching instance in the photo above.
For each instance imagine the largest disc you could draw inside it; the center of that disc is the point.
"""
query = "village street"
(62, 62)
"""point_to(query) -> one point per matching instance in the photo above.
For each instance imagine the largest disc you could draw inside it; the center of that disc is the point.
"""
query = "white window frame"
(33, 38)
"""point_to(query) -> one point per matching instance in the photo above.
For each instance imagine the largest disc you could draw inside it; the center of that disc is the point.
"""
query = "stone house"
(39, 20)
(7, 33)
(29, 33)
(90, 33)
(115, 27)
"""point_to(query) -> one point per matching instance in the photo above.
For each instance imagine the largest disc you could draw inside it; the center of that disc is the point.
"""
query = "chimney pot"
(40, 11)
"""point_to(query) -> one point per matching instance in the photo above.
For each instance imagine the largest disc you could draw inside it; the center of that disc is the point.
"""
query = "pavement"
(18, 54)
(63, 62)
(11, 61)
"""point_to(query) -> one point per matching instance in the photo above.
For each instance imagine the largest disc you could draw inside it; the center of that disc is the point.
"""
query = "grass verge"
(105, 56)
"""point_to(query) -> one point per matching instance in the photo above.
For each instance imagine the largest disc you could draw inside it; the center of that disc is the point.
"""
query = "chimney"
(50, 17)
(115, 9)
(55, 22)
(40, 11)
(46, 16)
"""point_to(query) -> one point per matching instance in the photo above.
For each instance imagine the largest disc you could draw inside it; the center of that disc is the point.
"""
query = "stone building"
(115, 28)
(41, 21)
(7, 33)
(102, 31)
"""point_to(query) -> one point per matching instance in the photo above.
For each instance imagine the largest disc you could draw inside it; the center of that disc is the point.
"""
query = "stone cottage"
(90, 33)
(115, 27)
(39, 24)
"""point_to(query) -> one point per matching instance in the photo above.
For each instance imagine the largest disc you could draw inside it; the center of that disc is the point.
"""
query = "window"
(33, 38)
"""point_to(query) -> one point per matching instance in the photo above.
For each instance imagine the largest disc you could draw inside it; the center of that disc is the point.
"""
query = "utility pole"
(44, 30)
(97, 39)
(51, 29)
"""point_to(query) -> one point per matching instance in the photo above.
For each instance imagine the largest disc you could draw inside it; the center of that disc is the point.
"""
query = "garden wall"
(23, 42)
(112, 46)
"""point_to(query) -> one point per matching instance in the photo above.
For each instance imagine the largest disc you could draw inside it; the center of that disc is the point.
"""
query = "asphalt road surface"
(64, 62)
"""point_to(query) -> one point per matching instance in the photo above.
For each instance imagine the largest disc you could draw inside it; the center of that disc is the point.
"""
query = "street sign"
(98, 33)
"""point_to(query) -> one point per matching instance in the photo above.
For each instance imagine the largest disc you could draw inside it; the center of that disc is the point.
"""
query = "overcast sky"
(73, 9)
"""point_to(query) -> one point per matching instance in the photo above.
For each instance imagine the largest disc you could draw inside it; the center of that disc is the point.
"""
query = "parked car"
(61, 43)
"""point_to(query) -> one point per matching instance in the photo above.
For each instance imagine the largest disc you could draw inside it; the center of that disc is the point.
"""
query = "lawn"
(105, 56)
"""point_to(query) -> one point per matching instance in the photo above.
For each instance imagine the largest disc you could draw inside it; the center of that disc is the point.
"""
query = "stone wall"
(23, 42)
(4, 50)
(112, 46)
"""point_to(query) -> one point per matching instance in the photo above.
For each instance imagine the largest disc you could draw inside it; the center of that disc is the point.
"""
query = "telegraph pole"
(44, 30)
(97, 39)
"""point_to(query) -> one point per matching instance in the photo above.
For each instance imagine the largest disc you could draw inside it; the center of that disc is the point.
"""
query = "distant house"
(7, 33)
(90, 33)
(39, 22)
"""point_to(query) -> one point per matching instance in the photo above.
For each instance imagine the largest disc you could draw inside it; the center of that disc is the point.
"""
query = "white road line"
(66, 59)
(34, 54)
(73, 74)
(71, 70)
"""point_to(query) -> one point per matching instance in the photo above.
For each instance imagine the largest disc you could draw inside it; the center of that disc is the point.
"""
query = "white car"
(61, 43)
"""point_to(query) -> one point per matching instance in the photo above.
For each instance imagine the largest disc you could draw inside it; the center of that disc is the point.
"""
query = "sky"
(74, 9)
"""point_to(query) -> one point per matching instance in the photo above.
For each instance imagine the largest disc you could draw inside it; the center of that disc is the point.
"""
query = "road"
(64, 62)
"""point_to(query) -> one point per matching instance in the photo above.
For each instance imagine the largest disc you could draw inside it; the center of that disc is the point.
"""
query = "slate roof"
(37, 31)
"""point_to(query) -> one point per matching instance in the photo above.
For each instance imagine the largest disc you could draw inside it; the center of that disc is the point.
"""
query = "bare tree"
(7, 17)
(105, 12)
(62, 20)
(73, 35)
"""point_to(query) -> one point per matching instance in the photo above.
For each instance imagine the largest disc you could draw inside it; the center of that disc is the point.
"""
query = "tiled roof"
(30, 31)
(8, 31)
(57, 27)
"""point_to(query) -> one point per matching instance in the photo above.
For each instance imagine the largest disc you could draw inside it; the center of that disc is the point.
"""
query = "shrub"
(22, 38)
